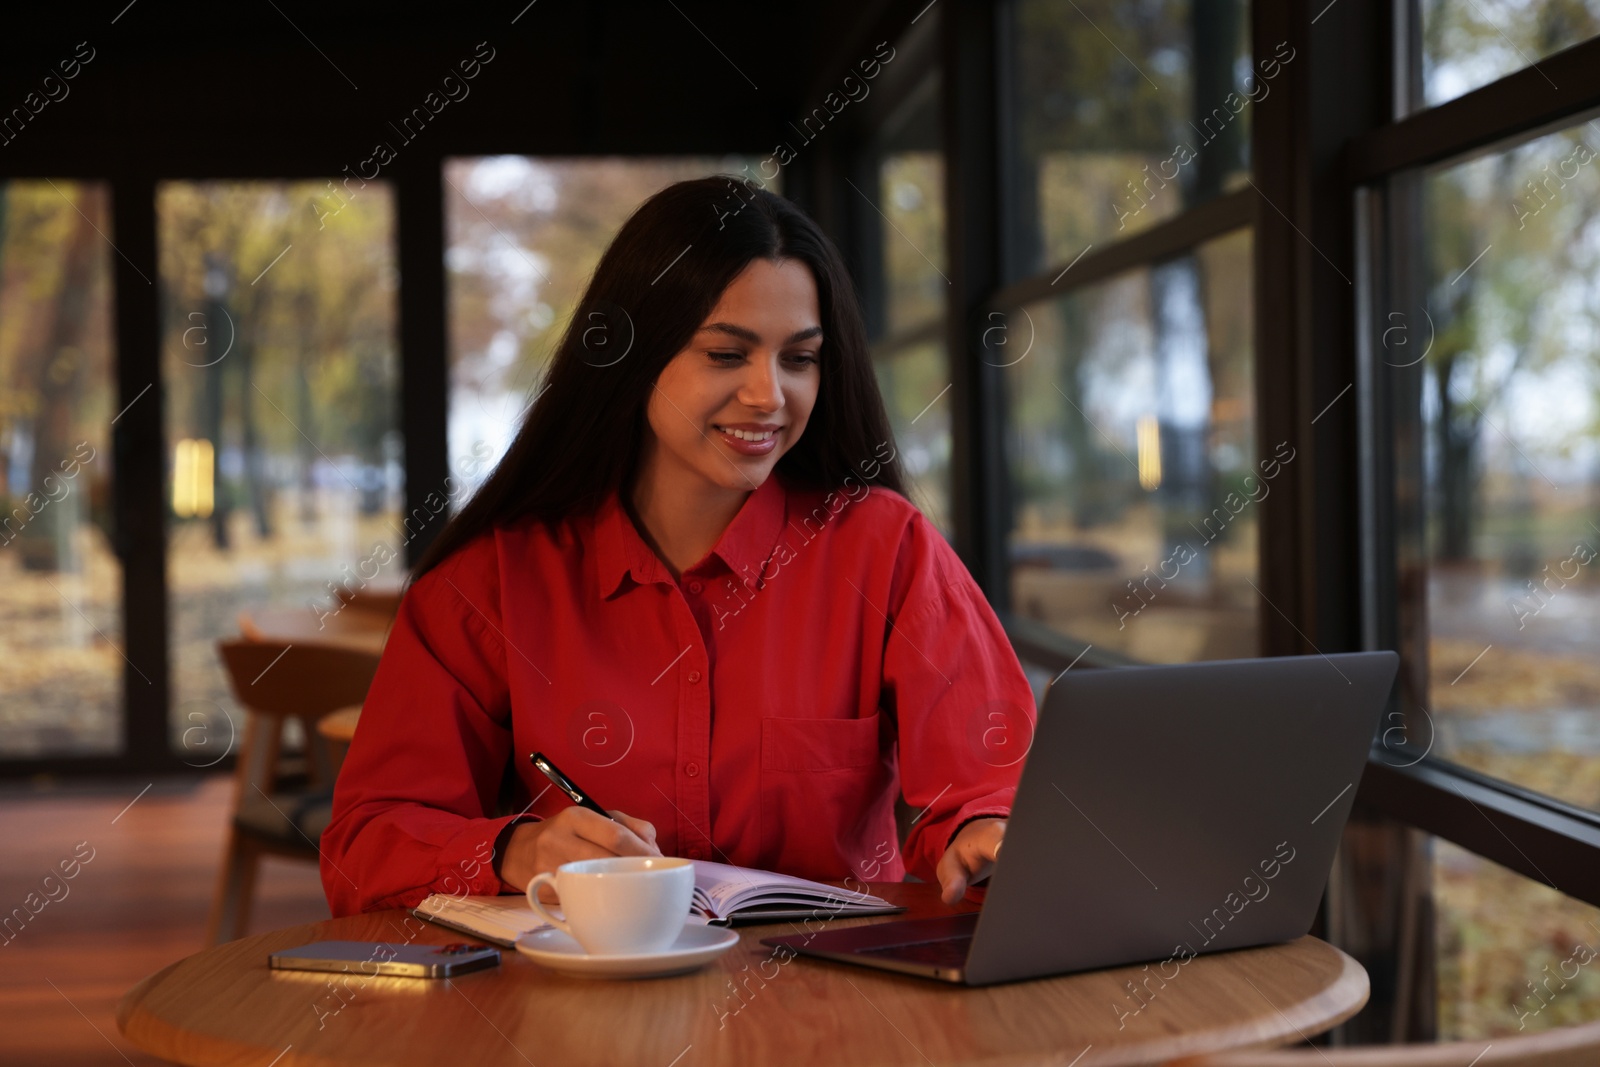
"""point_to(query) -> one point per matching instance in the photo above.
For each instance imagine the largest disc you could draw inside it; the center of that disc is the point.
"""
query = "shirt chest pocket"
(827, 794)
(819, 744)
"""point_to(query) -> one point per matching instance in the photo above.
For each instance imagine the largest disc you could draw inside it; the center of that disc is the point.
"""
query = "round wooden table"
(224, 1006)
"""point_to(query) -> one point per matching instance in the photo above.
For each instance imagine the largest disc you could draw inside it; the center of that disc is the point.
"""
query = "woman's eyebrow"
(747, 334)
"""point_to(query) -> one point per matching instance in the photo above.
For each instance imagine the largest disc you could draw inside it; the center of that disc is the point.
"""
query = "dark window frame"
(138, 442)
(984, 546)
(1535, 835)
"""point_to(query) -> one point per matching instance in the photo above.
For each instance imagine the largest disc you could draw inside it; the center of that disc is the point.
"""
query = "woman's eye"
(798, 359)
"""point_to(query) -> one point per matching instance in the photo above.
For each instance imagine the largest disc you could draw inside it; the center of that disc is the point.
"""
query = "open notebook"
(723, 895)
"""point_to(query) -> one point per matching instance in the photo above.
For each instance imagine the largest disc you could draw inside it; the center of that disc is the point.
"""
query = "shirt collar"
(745, 546)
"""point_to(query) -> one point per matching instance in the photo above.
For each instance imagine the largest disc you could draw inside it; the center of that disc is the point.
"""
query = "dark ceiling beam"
(239, 89)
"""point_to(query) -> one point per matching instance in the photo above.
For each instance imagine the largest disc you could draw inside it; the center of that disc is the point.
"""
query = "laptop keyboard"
(945, 952)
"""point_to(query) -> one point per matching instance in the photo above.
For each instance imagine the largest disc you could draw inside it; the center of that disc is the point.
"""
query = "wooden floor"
(139, 904)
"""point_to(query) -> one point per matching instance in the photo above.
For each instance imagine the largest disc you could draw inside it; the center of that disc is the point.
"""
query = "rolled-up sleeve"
(963, 706)
(413, 802)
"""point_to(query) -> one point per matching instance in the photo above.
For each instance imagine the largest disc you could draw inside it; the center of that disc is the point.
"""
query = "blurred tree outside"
(1113, 139)
(523, 238)
(279, 314)
(60, 607)
(52, 350)
(280, 371)
(1510, 409)
(1469, 43)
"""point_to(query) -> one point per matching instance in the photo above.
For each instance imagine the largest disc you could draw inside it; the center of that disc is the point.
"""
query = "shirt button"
(697, 854)
(695, 587)
(691, 769)
(694, 676)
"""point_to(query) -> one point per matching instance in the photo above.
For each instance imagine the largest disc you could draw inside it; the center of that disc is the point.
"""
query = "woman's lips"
(746, 447)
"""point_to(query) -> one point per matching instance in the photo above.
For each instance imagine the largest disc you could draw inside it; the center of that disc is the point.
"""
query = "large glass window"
(1470, 43)
(1482, 361)
(61, 655)
(907, 218)
(524, 237)
(913, 380)
(1502, 397)
(1136, 482)
(1125, 114)
(1514, 956)
(284, 458)
(911, 195)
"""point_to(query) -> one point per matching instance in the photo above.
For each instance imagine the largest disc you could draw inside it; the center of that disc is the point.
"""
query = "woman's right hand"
(572, 834)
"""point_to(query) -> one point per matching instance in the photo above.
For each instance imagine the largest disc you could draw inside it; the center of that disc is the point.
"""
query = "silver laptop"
(1163, 812)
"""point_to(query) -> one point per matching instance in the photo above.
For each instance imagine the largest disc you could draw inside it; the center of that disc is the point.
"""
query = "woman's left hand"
(970, 857)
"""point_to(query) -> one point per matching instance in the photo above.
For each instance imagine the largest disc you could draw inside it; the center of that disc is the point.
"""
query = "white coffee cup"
(620, 905)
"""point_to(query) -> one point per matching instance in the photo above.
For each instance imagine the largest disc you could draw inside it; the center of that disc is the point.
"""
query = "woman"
(696, 584)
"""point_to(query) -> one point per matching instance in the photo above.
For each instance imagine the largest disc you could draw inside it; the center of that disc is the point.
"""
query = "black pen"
(566, 785)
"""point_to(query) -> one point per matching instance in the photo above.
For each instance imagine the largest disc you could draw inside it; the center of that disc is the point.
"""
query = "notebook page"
(503, 918)
(728, 888)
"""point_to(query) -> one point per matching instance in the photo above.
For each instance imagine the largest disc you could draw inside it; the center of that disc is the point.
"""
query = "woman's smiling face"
(732, 402)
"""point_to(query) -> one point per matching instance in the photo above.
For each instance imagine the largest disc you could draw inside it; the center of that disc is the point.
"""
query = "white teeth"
(746, 435)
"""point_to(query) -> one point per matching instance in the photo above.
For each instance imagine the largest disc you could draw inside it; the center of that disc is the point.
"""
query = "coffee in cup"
(620, 905)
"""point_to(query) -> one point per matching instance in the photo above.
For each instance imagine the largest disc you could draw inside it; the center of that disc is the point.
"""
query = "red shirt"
(762, 711)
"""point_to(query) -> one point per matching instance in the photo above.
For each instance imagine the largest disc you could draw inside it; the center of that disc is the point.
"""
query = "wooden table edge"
(1352, 979)
(145, 1030)
(1339, 1001)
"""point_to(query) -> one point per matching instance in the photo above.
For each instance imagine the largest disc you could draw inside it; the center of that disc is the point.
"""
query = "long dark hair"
(654, 287)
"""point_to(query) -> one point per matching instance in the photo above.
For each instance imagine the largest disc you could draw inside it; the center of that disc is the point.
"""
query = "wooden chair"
(355, 626)
(275, 682)
(381, 601)
(338, 729)
(1576, 1046)
(351, 627)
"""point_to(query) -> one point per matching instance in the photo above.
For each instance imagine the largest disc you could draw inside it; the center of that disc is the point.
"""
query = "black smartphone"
(380, 958)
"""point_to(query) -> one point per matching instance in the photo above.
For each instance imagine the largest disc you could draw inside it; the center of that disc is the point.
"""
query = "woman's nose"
(760, 388)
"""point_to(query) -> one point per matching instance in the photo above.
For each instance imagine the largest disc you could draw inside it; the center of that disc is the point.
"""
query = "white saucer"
(697, 945)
